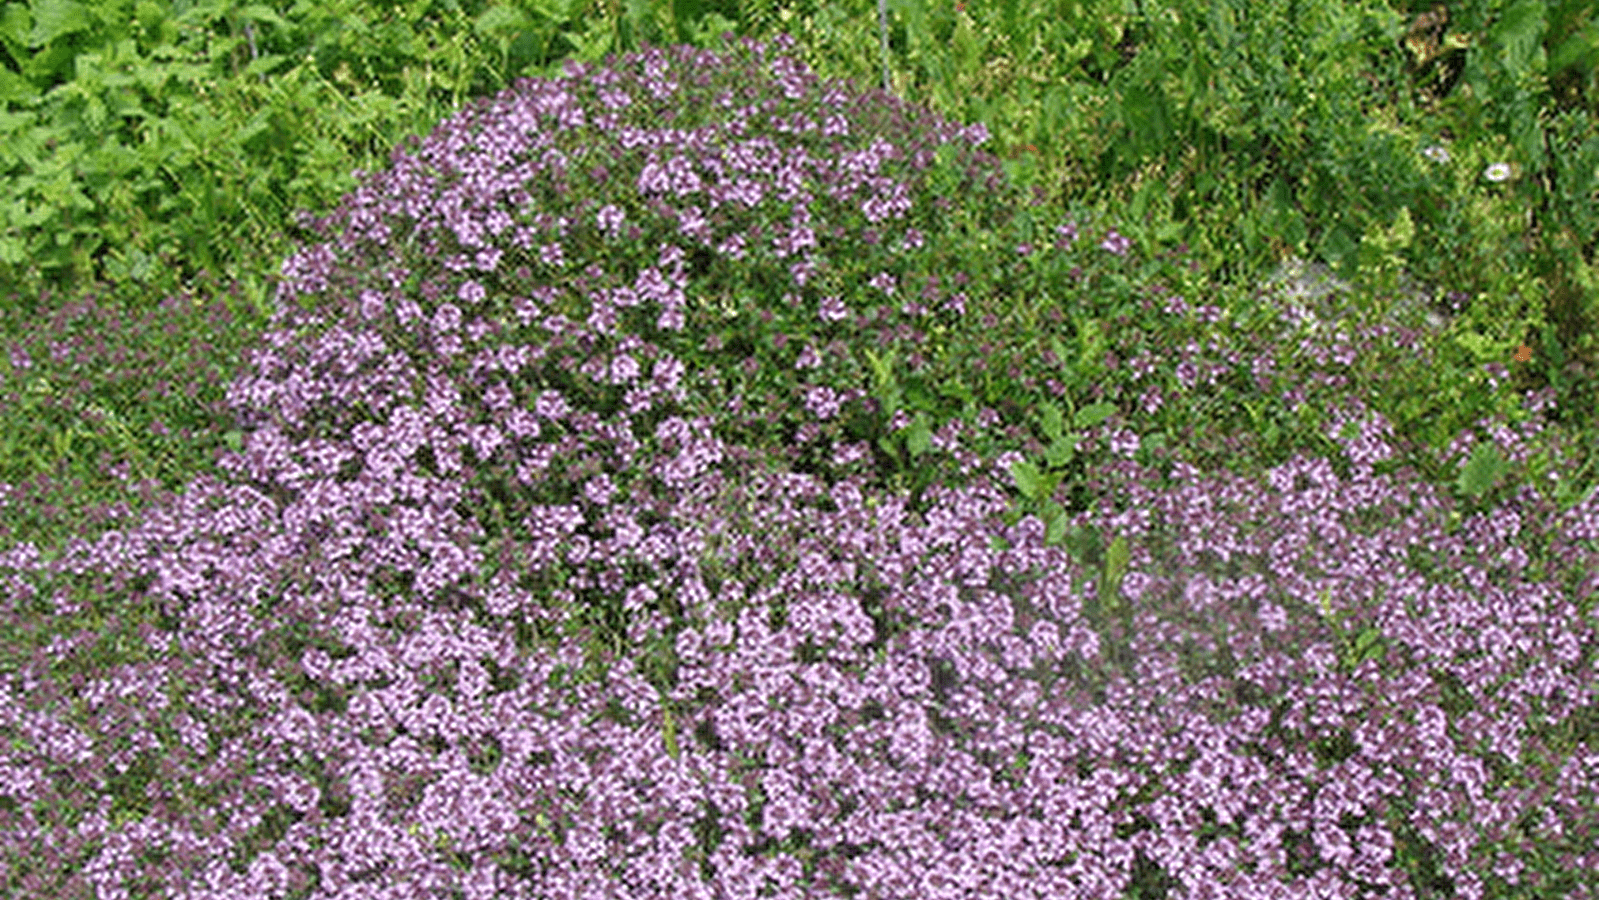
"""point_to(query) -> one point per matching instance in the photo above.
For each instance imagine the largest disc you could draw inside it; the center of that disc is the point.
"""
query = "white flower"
(1436, 154)
(1497, 172)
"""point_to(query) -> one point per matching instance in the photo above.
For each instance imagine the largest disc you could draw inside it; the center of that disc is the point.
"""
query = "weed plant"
(688, 477)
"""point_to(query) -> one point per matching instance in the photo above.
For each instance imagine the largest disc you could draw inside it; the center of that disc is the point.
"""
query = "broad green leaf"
(1054, 523)
(1052, 420)
(1481, 471)
(1093, 415)
(919, 437)
(1048, 483)
(1027, 479)
(499, 19)
(1061, 451)
(53, 18)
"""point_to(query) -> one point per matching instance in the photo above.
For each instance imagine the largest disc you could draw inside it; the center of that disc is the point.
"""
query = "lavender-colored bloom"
(1116, 244)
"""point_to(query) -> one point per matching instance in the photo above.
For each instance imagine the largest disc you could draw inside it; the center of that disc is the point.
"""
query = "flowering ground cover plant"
(623, 508)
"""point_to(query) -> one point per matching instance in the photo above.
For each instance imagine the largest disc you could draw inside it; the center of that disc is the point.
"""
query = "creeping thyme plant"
(685, 477)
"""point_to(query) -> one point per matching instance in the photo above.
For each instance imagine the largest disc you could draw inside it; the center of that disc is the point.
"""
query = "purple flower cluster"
(378, 681)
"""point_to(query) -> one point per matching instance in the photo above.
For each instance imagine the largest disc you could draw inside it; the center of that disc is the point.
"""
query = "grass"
(111, 403)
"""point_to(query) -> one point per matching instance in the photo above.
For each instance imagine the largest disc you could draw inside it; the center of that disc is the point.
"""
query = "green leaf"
(1054, 523)
(1061, 451)
(498, 19)
(263, 65)
(1052, 420)
(53, 18)
(1366, 642)
(1116, 558)
(1092, 415)
(12, 251)
(1027, 479)
(1483, 469)
(670, 729)
(1519, 34)
(14, 88)
(881, 368)
(1367, 645)
(919, 437)
(1581, 48)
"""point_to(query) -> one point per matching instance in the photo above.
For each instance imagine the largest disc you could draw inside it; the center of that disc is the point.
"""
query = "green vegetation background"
(154, 150)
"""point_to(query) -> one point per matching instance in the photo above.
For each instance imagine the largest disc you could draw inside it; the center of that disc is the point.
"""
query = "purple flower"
(1115, 243)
